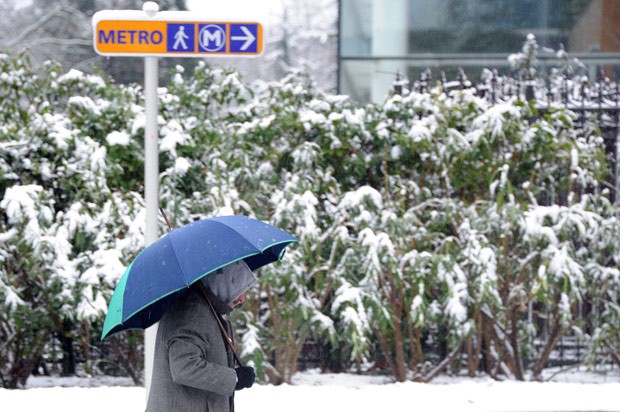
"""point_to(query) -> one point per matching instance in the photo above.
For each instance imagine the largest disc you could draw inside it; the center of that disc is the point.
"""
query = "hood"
(230, 282)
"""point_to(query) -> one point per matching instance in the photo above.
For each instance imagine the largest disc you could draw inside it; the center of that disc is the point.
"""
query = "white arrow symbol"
(248, 38)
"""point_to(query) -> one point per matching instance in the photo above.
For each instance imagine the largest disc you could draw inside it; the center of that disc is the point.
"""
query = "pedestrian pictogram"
(180, 38)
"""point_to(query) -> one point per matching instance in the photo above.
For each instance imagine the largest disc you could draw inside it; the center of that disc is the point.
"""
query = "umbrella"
(164, 269)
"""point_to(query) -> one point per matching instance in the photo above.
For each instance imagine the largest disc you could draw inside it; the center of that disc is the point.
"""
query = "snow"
(173, 135)
(356, 198)
(19, 201)
(309, 118)
(419, 132)
(312, 391)
(118, 138)
(89, 104)
(493, 119)
(181, 165)
(351, 315)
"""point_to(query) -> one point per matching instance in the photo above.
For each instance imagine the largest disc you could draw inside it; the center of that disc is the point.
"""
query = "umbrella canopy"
(153, 281)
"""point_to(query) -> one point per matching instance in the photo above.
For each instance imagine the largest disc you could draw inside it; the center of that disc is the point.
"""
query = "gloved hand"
(245, 377)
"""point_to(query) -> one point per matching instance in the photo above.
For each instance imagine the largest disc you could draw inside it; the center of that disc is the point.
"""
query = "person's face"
(238, 302)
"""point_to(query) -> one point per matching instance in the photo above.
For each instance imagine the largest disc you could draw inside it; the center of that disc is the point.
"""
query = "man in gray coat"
(194, 368)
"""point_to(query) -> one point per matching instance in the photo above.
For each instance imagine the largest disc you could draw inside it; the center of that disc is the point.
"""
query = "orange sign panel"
(127, 36)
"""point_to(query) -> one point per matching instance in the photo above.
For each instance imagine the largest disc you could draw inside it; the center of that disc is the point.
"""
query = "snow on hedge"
(433, 218)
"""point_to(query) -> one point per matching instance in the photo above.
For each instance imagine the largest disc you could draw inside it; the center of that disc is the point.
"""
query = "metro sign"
(173, 34)
(151, 34)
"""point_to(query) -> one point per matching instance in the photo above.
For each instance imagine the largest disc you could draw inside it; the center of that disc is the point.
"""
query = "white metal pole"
(151, 180)
(151, 191)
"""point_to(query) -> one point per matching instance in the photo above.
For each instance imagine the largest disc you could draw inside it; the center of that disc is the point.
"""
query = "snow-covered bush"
(63, 216)
(436, 230)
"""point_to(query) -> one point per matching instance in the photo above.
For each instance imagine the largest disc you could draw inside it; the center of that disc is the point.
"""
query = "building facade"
(380, 38)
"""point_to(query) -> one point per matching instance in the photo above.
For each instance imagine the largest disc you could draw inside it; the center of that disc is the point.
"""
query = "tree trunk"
(554, 335)
(399, 347)
(416, 357)
(68, 351)
(385, 348)
(85, 343)
(475, 348)
(514, 342)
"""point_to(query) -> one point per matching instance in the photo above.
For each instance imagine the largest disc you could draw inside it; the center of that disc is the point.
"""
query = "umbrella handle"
(163, 212)
(219, 322)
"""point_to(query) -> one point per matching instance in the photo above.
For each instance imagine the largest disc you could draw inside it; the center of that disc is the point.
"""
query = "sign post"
(152, 34)
(151, 190)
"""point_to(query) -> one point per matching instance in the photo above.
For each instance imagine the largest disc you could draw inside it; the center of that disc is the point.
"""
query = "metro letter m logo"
(103, 38)
(212, 38)
(216, 37)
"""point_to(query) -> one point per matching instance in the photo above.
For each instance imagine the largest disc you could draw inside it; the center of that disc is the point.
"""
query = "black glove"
(245, 377)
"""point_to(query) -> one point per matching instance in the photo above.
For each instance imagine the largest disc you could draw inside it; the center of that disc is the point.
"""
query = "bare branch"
(59, 41)
(447, 361)
(34, 26)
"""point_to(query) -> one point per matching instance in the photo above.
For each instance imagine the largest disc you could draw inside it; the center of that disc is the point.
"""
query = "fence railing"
(594, 101)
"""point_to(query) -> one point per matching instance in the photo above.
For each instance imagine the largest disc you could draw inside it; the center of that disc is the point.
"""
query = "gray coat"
(193, 370)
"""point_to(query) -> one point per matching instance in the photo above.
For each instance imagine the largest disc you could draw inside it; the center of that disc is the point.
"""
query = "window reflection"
(380, 38)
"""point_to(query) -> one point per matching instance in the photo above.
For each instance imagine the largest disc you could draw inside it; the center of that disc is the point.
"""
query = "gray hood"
(230, 282)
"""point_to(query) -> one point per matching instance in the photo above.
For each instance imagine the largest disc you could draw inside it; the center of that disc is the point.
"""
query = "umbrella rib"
(236, 233)
(176, 256)
(257, 248)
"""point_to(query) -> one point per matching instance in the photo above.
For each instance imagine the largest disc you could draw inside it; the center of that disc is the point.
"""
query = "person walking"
(180, 38)
(194, 367)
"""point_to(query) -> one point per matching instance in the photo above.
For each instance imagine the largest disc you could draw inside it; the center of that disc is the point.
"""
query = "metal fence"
(594, 101)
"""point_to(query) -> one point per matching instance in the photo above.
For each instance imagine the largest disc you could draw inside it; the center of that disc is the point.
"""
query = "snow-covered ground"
(311, 391)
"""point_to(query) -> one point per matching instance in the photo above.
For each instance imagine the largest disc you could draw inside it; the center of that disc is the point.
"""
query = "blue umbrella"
(154, 280)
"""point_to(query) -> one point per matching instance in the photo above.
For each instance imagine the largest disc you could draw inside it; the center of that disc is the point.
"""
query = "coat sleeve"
(191, 363)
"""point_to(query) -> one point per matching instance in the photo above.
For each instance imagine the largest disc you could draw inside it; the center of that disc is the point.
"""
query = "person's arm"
(188, 331)
(188, 365)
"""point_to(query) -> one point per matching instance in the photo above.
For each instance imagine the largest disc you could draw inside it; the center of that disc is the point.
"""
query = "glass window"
(378, 37)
